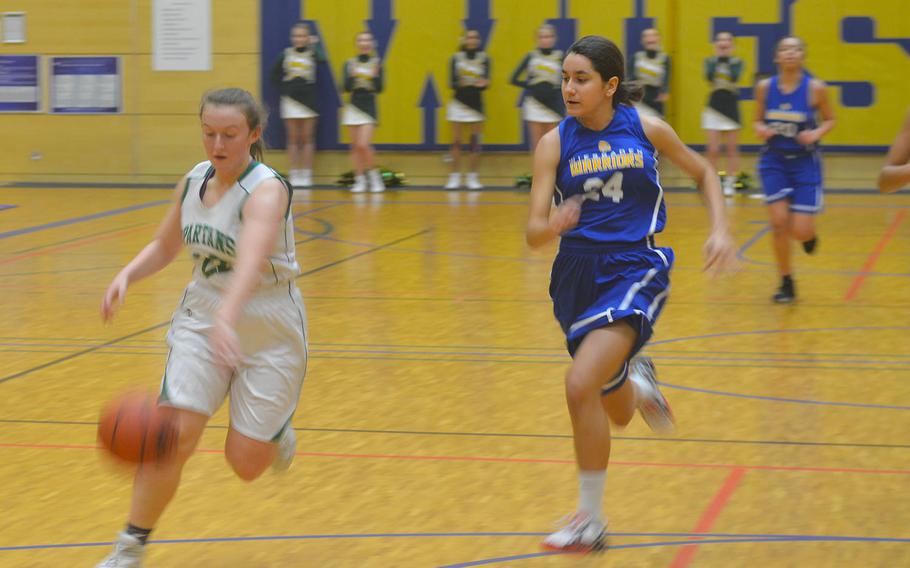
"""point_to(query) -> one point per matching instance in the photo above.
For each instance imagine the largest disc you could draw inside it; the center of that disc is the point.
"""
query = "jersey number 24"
(595, 188)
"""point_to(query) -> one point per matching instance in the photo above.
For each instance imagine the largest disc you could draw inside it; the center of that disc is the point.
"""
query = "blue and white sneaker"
(580, 533)
(652, 404)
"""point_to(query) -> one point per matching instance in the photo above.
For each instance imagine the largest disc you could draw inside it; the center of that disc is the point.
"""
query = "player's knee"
(580, 389)
(803, 231)
(244, 467)
(779, 225)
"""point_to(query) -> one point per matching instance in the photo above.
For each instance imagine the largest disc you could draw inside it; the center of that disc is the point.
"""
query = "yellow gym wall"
(156, 137)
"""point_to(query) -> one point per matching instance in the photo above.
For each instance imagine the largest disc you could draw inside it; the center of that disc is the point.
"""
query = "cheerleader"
(542, 107)
(363, 79)
(469, 75)
(295, 75)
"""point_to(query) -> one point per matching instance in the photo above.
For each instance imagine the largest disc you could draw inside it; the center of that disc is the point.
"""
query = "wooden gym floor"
(432, 426)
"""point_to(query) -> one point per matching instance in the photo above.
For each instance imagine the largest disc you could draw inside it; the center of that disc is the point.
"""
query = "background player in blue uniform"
(790, 164)
(896, 172)
(609, 280)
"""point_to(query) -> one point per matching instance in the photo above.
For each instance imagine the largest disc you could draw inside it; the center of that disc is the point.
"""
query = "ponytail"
(627, 93)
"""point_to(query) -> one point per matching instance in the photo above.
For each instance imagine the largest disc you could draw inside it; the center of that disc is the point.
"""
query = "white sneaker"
(360, 184)
(294, 178)
(581, 533)
(376, 185)
(454, 181)
(128, 552)
(727, 182)
(287, 447)
(306, 178)
(472, 182)
(652, 404)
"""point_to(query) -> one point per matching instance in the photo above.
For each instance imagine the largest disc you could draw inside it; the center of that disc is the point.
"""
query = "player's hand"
(807, 137)
(566, 215)
(763, 132)
(225, 344)
(114, 297)
(720, 252)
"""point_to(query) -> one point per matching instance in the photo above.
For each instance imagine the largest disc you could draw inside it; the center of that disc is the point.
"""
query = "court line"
(787, 400)
(4, 207)
(362, 253)
(78, 243)
(82, 218)
(866, 270)
(528, 435)
(503, 559)
(555, 357)
(711, 538)
(80, 353)
(741, 255)
(718, 503)
(163, 324)
(772, 331)
(70, 240)
(494, 459)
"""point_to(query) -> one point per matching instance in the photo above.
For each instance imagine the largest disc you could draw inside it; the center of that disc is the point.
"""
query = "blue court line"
(771, 331)
(503, 559)
(75, 220)
(788, 400)
(699, 538)
(4, 207)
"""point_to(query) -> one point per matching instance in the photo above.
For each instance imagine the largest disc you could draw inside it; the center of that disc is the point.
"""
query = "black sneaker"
(786, 293)
(743, 181)
(810, 245)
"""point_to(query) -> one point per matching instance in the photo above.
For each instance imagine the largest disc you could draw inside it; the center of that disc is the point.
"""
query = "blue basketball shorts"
(594, 285)
(796, 177)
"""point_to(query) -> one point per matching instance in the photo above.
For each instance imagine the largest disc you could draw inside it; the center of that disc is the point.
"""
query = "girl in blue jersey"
(896, 172)
(790, 164)
(609, 279)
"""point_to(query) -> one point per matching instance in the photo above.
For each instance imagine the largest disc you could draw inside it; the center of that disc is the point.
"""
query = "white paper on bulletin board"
(181, 35)
(13, 27)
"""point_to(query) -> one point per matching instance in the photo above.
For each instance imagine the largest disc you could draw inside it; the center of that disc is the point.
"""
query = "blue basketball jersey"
(789, 114)
(615, 170)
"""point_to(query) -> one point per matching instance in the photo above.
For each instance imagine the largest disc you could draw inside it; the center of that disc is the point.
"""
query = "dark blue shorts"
(797, 177)
(593, 285)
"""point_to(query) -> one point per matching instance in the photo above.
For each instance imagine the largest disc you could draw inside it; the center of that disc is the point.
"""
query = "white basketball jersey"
(211, 233)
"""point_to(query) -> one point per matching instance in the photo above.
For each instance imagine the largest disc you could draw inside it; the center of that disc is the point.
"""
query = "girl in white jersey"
(240, 327)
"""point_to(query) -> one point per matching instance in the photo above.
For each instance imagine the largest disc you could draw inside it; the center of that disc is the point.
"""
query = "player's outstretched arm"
(896, 173)
(156, 255)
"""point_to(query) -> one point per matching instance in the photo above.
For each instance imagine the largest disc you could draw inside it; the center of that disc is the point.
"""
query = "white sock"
(591, 485)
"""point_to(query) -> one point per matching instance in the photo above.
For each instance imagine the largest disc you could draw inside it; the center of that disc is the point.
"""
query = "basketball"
(135, 429)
